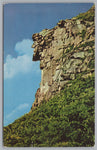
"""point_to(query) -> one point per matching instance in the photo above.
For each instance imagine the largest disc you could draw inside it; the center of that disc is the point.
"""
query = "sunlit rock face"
(63, 52)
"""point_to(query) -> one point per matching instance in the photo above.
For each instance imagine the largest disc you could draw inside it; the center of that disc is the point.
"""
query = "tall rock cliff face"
(63, 52)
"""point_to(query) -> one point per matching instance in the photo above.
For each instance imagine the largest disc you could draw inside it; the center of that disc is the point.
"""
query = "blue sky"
(22, 76)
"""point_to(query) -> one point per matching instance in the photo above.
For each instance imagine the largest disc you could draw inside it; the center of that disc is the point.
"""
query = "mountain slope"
(63, 111)
(65, 120)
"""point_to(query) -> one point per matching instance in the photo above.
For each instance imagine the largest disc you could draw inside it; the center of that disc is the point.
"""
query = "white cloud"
(13, 66)
(18, 109)
(23, 63)
(24, 47)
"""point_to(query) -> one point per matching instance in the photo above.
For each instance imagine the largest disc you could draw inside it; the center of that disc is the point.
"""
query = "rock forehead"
(63, 51)
(42, 41)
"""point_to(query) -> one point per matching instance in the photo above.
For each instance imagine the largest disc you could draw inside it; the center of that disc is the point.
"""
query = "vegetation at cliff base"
(65, 120)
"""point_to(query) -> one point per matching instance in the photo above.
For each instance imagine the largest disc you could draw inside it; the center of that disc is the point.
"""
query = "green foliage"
(88, 16)
(70, 48)
(91, 51)
(90, 43)
(91, 64)
(83, 34)
(65, 120)
(66, 144)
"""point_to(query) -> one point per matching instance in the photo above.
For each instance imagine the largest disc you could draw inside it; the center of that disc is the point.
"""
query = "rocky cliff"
(64, 51)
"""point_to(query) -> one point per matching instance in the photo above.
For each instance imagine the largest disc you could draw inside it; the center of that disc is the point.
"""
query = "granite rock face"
(63, 52)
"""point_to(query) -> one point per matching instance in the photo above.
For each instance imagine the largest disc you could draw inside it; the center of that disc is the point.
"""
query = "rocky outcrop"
(63, 52)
